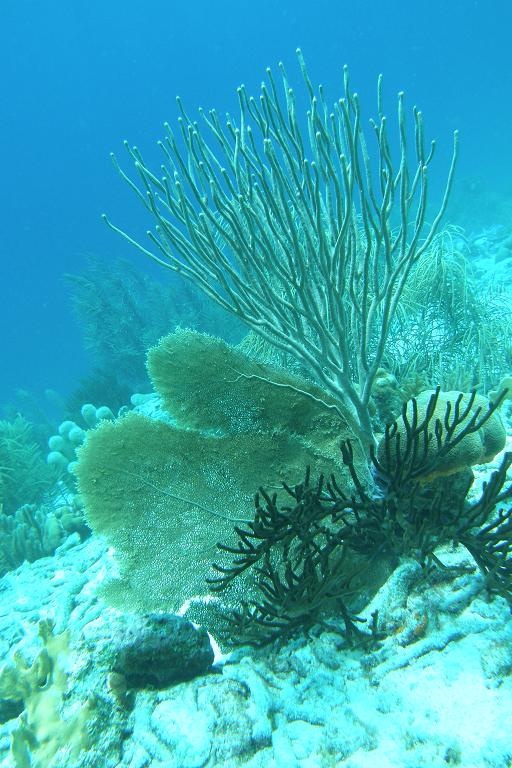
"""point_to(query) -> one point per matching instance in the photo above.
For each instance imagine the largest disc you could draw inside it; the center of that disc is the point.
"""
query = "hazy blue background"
(77, 77)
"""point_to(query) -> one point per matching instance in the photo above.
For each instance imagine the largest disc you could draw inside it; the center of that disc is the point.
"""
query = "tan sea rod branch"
(288, 231)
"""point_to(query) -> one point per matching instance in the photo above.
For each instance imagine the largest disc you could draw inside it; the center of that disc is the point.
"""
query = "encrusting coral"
(43, 733)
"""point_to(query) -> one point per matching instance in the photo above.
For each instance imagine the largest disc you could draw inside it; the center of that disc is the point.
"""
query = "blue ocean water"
(78, 78)
(357, 621)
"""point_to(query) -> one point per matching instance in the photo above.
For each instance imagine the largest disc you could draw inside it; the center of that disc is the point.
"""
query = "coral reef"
(33, 532)
(318, 555)
(36, 514)
(164, 491)
(434, 691)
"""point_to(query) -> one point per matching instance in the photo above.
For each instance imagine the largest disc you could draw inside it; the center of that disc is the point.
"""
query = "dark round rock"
(159, 649)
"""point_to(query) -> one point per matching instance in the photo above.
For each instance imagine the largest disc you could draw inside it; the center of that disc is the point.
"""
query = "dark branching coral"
(310, 558)
(301, 559)
(488, 536)
(437, 434)
(415, 513)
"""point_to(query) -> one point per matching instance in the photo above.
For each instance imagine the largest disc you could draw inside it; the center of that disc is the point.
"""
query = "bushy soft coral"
(309, 558)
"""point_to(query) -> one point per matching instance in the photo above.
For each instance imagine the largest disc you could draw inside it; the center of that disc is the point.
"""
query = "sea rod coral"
(295, 226)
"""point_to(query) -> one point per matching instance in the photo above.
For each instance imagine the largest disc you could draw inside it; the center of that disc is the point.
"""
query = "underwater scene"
(256, 390)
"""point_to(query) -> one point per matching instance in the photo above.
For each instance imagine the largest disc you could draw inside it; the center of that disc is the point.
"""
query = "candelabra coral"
(302, 234)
